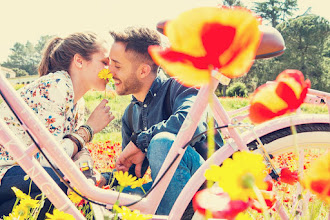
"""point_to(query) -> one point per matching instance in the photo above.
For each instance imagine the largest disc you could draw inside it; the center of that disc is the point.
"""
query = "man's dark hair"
(138, 39)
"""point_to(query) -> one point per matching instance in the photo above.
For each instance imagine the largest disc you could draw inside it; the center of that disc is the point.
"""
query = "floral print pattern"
(51, 97)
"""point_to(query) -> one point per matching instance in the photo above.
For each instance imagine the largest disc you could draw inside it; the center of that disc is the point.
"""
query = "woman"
(68, 69)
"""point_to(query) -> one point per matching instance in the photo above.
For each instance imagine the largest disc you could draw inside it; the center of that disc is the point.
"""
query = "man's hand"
(130, 155)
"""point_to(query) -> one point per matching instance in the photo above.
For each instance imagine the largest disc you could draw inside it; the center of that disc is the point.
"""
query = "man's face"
(124, 70)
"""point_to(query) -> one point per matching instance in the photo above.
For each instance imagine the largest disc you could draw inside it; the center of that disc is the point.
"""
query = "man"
(151, 136)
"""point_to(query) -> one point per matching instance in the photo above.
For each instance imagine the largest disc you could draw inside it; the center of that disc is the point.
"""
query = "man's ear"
(77, 60)
(145, 70)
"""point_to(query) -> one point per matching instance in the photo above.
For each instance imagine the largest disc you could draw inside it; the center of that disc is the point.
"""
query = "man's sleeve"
(182, 99)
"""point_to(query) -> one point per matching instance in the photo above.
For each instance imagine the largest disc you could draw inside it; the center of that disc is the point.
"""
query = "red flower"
(106, 187)
(285, 95)
(270, 200)
(269, 185)
(219, 204)
(288, 177)
(269, 197)
(209, 38)
(286, 200)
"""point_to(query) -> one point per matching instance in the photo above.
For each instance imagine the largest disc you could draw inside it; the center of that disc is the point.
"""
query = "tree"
(20, 72)
(26, 57)
(275, 11)
(232, 3)
(306, 40)
(307, 47)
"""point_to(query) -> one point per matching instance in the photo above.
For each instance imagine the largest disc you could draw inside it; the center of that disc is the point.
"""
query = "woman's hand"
(100, 117)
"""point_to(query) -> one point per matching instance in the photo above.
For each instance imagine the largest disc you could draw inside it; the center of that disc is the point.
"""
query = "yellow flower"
(30, 203)
(74, 197)
(105, 74)
(243, 216)
(127, 214)
(59, 215)
(124, 179)
(137, 183)
(10, 217)
(19, 194)
(238, 175)
(21, 211)
(317, 178)
(213, 173)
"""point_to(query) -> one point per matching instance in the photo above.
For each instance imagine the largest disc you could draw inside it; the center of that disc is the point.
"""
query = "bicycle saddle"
(271, 45)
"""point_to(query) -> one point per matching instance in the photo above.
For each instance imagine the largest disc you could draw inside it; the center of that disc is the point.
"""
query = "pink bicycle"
(313, 132)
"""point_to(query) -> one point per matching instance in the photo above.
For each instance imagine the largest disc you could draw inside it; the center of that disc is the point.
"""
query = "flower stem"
(143, 190)
(210, 132)
(299, 160)
(294, 133)
(261, 201)
(30, 186)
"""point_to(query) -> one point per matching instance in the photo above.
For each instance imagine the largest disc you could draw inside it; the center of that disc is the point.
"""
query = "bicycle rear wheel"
(313, 135)
(311, 141)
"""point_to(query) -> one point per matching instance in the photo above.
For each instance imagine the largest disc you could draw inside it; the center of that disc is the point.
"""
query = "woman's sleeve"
(52, 102)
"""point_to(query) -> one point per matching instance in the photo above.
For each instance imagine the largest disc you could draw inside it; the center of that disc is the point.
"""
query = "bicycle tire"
(272, 141)
(308, 135)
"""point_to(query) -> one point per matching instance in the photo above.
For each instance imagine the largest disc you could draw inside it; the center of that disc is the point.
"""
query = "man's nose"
(112, 70)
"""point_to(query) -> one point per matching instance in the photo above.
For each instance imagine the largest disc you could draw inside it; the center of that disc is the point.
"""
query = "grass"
(119, 103)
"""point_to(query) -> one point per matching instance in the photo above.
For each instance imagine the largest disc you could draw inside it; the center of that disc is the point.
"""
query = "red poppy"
(285, 95)
(270, 199)
(288, 177)
(207, 38)
(219, 204)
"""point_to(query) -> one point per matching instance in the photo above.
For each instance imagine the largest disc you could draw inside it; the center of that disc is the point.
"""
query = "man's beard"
(129, 86)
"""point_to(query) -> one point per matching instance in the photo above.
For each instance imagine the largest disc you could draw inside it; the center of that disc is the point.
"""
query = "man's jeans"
(157, 151)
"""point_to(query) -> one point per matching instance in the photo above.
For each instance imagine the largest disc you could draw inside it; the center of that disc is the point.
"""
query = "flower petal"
(209, 38)
(288, 177)
(285, 95)
(219, 204)
(317, 177)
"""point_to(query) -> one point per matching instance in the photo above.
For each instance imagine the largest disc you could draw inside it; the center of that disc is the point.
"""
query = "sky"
(28, 20)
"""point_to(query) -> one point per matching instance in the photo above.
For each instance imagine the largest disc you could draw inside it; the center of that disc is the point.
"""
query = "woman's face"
(99, 61)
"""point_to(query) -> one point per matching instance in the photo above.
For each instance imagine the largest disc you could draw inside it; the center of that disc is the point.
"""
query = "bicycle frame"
(25, 156)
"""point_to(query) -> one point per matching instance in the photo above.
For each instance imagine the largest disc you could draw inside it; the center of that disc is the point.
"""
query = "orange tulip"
(317, 178)
(207, 38)
(284, 96)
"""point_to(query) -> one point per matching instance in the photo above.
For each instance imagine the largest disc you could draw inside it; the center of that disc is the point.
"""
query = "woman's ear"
(77, 60)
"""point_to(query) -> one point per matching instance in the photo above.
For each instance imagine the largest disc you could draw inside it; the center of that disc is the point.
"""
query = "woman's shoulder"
(61, 78)
(52, 80)
(53, 86)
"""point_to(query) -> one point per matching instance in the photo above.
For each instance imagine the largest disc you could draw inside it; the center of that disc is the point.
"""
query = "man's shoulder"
(178, 87)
